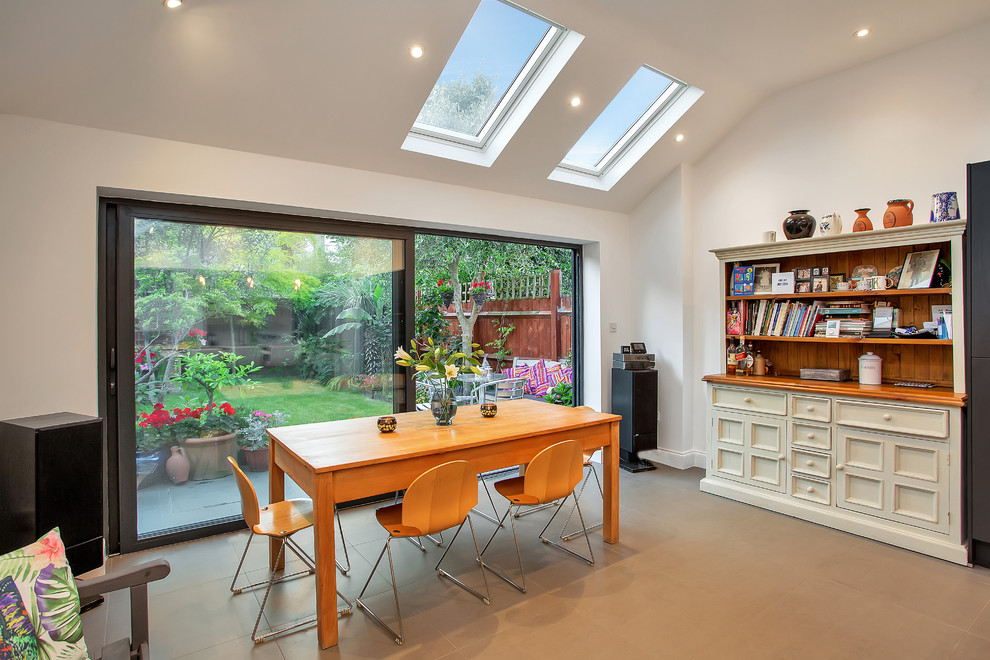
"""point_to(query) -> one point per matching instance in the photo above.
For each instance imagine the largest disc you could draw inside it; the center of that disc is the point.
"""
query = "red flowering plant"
(445, 286)
(480, 287)
(170, 427)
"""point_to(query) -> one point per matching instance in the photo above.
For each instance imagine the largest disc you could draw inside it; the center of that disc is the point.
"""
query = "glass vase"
(444, 407)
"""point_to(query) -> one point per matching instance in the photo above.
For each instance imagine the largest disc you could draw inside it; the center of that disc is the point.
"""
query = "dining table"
(350, 459)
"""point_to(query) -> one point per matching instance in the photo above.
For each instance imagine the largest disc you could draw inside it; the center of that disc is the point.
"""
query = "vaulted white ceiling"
(331, 81)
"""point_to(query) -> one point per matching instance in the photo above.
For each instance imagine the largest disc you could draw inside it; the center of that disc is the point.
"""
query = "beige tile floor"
(694, 576)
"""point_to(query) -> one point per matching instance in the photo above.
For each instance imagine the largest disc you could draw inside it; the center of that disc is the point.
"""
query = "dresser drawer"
(925, 422)
(811, 490)
(810, 463)
(811, 436)
(758, 401)
(814, 408)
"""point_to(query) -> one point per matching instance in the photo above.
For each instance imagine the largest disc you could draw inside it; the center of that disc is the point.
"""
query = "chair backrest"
(510, 388)
(441, 497)
(249, 498)
(555, 471)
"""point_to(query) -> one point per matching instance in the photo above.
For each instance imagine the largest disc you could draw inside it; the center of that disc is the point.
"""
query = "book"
(742, 280)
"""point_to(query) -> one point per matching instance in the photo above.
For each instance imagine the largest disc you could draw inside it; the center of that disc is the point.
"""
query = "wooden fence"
(542, 317)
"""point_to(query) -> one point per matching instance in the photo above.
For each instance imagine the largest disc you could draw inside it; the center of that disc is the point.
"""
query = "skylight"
(502, 65)
(639, 115)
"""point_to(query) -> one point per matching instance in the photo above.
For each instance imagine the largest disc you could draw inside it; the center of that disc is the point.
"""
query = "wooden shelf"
(937, 395)
(844, 294)
(846, 340)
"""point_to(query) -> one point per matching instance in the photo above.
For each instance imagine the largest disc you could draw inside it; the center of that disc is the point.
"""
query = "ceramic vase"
(208, 456)
(256, 460)
(799, 224)
(177, 466)
(862, 223)
(945, 207)
(898, 213)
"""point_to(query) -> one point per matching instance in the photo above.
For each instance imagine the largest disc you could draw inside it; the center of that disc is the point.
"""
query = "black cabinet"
(51, 475)
(978, 361)
(634, 396)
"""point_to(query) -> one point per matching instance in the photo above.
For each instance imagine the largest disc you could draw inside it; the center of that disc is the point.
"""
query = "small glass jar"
(386, 424)
(489, 410)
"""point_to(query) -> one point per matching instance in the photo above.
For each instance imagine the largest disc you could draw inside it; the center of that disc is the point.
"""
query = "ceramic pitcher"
(898, 213)
(945, 207)
(830, 225)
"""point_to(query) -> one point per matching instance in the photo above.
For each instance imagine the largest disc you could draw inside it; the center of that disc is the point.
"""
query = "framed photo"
(802, 273)
(626, 349)
(763, 277)
(825, 270)
(637, 347)
(815, 272)
(835, 279)
(918, 269)
(819, 284)
(802, 286)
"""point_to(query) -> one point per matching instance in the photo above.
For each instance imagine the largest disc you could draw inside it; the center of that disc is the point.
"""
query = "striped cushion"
(540, 379)
(522, 372)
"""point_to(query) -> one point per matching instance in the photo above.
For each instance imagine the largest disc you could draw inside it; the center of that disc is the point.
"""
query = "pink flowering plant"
(253, 435)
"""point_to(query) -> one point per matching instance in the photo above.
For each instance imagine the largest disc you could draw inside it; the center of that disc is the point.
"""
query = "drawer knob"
(840, 466)
(781, 457)
(811, 436)
(886, 416)
(748, 399)
(811, 463)
(811, 409)
(811, 489)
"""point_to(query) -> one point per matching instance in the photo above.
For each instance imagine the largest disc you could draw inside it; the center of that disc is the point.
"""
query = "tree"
(462, 105)
(367, 308)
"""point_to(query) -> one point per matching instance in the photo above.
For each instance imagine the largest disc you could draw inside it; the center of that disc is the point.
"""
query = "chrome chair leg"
(395, 592)
(515, 538)
(485, 597)
(590, 560)
(343, 570)
(534, 509)
(589, 528)
(484, 514)
(311, 567)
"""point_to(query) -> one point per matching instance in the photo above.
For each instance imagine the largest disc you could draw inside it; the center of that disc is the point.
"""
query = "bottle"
(750, 359)
(741, 359)
(730, 359)
(759, 364)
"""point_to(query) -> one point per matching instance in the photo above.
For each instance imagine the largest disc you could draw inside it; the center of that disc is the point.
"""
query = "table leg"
(610, 506)
(326, 571)
(276, 493)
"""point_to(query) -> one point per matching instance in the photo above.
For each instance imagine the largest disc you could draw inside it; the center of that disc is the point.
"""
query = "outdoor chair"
(278, 520)
(499, 390)
(136, 579)
(436, 500)
(553, 474)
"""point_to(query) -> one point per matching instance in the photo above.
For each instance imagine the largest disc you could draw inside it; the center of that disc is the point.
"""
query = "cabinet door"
(894, 477)
(749, 448)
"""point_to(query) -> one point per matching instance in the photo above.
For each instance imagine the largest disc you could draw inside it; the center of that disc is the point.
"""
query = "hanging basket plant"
(446, 289)
(480, 292)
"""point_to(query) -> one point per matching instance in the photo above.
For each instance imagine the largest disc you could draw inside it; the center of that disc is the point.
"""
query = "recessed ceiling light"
(679, 137)
(863, 32)
(416, 51)
(173, 4)
(575, 101)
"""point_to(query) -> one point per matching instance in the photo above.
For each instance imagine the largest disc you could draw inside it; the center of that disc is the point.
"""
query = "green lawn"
(306, 401)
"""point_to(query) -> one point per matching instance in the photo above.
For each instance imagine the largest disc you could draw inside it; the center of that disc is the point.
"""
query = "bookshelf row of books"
(783, 318)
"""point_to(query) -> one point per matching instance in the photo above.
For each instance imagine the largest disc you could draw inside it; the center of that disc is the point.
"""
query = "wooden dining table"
(350, 459)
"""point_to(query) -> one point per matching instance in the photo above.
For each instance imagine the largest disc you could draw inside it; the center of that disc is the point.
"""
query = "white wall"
(902, 126)
(51, 176)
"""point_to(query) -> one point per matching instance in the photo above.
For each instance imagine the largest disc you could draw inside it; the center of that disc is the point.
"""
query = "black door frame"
(116, 337)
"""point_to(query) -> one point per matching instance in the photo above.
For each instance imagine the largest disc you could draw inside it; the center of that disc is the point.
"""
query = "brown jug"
(898, 213)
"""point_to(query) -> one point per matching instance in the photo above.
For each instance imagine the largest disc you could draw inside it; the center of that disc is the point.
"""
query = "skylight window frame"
(635, 142)
(542, 71)
(649, 117)
(534, 65)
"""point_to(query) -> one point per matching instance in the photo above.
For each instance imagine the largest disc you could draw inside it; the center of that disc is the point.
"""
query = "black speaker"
(51, 475)
(634, 396)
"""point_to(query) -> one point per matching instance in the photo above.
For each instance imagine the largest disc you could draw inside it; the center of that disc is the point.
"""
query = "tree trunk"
(466, 322)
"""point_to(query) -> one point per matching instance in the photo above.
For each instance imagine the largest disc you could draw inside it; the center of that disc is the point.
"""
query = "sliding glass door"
(224, 324)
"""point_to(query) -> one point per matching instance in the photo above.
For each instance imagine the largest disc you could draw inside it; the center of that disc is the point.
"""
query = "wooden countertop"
(937, 396)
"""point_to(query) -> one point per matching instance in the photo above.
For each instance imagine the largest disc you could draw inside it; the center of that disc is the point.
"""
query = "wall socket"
(613, 327)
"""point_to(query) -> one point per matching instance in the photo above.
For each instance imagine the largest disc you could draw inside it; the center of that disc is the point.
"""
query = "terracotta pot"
(177, 466)
(208, 456)
(862, 223)
(256, 460)
(898, 213)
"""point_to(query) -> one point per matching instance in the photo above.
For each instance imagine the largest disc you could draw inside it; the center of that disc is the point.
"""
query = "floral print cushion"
(38, 599)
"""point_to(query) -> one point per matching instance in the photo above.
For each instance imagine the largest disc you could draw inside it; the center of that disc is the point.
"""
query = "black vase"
(799, 224)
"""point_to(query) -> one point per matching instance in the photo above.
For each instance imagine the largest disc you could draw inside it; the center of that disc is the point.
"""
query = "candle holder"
(386, 424)
(489, 410)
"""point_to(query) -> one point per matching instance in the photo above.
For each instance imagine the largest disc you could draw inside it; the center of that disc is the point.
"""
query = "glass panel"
(236, 330)
(526, 321)
(634, 99)
(495, 46)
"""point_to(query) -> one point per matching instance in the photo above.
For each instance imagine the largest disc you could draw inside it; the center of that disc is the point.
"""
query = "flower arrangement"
(445, 286)
(440, 367)
(253, 435)
(480, 287)
(169, 427)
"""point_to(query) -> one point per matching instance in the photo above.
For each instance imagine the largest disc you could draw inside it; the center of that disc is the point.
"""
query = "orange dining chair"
(591, 472)
(553, 474)
(436, 500)
(278, 520)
